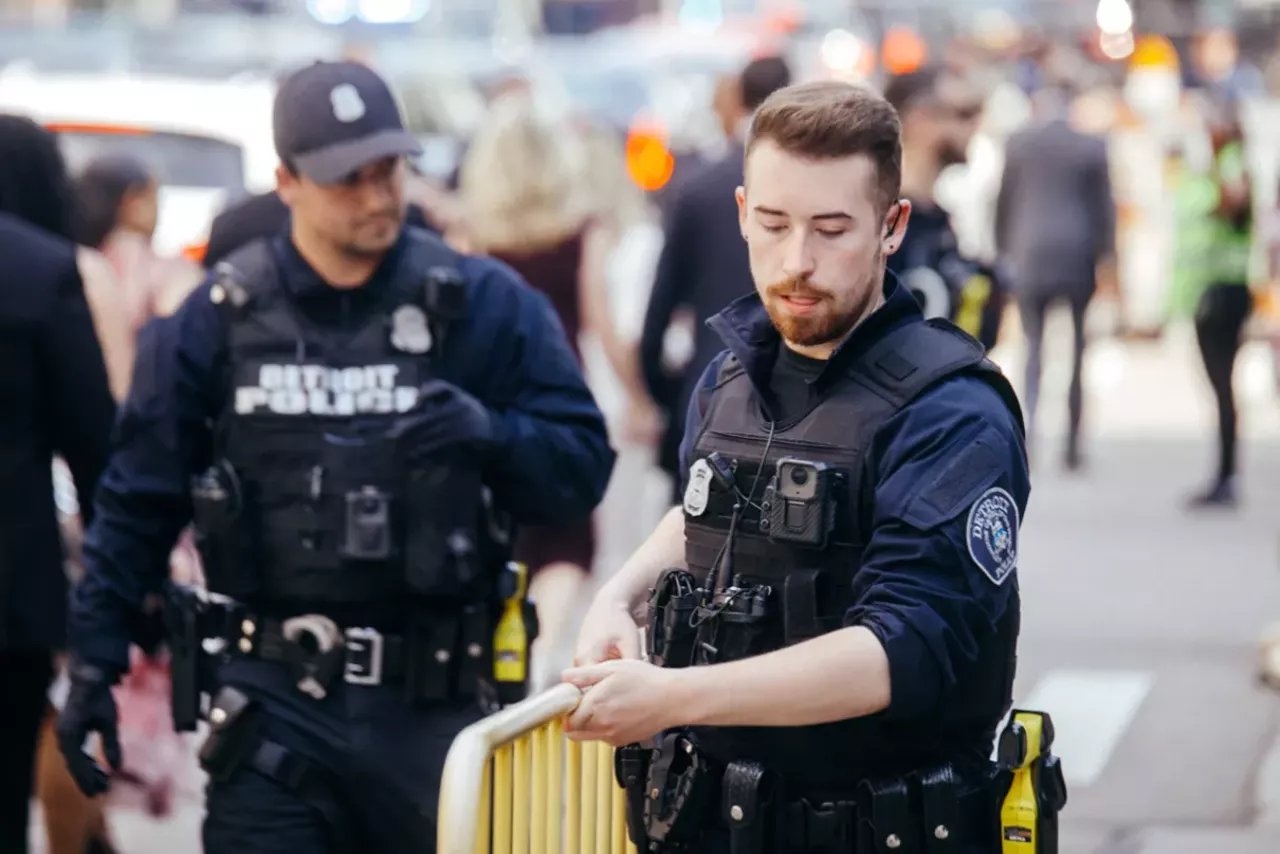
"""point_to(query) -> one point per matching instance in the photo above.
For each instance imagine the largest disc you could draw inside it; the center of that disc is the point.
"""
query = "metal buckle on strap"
(364, 657)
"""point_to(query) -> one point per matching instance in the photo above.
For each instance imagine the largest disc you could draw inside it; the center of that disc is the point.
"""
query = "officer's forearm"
(840, 675)
(664, 549)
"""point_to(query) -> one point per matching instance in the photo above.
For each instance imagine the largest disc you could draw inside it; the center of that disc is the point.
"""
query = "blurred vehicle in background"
(207, 142)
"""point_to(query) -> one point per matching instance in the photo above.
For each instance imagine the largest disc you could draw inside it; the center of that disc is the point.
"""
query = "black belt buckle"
(363, 665)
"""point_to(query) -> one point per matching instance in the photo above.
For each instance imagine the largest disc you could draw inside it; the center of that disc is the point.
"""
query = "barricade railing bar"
(513, 784)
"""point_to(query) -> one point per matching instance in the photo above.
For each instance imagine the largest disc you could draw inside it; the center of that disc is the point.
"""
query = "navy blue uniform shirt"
(551, 462)
(933, 603)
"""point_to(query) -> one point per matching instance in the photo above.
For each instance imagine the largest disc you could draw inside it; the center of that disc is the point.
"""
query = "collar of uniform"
(747, 331)
(301, 279)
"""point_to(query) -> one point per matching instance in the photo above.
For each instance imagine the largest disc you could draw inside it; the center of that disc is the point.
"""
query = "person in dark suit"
(1055, 232)
(703, 266)
(53, 381)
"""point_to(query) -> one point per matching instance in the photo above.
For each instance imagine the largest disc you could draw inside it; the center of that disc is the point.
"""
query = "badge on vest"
(992, 532)
(699, 488)
(410, 332)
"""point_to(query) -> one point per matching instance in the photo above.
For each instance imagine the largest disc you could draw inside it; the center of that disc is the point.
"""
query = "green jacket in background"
(1207, 248)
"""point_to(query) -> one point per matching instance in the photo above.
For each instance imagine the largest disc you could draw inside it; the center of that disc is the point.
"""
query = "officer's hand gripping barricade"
(1038, 791)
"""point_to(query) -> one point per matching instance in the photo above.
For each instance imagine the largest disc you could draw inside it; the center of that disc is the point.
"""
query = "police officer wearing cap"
(353, 416)
(833, 612)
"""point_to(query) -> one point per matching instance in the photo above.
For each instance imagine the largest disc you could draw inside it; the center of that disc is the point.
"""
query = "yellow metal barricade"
(513, 784)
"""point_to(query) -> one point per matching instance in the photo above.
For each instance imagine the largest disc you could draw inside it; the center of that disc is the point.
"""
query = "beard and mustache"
(828, 320)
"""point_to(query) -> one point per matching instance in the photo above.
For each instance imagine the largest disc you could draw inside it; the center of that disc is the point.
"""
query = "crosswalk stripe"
(1091, 709)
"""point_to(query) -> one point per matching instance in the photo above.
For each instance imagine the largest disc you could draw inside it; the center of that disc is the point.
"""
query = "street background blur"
(1145, 623)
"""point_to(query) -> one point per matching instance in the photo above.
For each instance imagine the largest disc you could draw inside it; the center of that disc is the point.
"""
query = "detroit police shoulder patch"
(992, 533)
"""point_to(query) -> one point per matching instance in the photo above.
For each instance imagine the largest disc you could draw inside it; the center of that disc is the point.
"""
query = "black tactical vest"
(311, 499)
(810, 587)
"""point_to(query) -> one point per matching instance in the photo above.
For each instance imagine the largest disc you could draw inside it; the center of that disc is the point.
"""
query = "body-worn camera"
(801, 503)
(368, 528)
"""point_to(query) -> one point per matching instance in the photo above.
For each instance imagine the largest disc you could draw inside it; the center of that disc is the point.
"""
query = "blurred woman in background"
(1214, 244)
(117, 207)
(526, 201)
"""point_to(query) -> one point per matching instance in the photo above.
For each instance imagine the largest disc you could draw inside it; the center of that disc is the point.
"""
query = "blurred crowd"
(1041, 174)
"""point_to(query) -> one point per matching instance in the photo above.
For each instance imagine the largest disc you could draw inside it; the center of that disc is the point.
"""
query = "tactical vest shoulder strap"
(918, 355)
(247, 275)
(438, 284)
(914, 357)
(729, 368)
(430, 251)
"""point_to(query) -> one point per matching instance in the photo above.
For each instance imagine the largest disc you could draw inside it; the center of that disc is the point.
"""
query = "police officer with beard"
(834, 610)
(939, 112)
(352, 415)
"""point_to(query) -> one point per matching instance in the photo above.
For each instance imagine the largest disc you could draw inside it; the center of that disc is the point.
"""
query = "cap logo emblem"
(347, 104)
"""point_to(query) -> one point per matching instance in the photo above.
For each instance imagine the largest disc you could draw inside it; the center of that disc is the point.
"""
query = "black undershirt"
(790, 383)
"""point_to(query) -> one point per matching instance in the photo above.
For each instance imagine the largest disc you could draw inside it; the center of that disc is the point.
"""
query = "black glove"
(89, 708)
(446, 417)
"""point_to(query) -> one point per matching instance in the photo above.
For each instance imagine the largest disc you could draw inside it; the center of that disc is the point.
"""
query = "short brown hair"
(828, 120)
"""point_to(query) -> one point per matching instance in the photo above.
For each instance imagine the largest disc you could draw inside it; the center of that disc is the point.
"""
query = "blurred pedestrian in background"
(58, 401)
(1213, 246)
(116, 202)
(34, 186)
(527, 202)
(703, 266)
(1055, 232)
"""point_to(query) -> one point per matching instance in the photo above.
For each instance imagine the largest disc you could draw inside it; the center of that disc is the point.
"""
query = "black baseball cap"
(331, 118)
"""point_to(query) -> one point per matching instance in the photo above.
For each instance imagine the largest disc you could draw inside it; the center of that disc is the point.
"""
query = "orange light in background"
(1154, 51)
(1266, 303)
(195, 252)
(903, 51)
(649, 163)
(783, 17)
